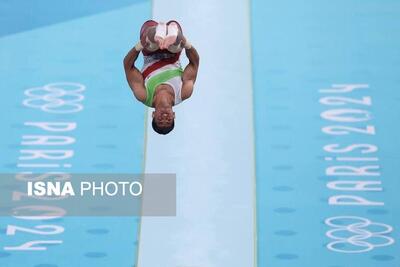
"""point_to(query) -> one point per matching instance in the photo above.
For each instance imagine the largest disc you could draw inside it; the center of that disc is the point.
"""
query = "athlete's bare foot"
(161, 32)
(172, 34)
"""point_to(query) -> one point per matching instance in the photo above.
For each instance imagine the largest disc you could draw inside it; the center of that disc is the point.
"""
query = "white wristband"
(187, 45)
(139, 46)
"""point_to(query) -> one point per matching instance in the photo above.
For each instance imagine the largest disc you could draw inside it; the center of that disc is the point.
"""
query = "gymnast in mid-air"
(162, 83)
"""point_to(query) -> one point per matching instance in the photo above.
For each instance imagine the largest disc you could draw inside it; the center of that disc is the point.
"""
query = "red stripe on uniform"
(160, 64)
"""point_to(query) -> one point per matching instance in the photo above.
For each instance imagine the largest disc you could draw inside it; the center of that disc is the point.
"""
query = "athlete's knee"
(147, 39)
(150, 33)
(176, 36)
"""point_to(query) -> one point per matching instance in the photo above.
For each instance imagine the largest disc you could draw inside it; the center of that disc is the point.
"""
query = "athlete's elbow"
(189, 93)
(139, 96)
(195, 61)
(126, 62)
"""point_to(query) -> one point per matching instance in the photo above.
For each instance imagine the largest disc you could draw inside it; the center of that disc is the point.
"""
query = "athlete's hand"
(184, 40)
(185, 43)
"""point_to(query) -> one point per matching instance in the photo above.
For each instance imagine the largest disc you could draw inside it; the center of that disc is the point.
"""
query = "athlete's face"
(164, 117)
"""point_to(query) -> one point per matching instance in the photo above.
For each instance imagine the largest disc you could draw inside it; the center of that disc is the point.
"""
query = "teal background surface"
(298, 49)
(83, 43)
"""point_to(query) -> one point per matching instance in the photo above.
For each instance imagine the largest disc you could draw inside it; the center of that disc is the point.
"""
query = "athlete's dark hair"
(162, 130)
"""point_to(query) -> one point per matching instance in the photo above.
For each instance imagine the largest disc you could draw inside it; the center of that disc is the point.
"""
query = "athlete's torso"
(162, 68)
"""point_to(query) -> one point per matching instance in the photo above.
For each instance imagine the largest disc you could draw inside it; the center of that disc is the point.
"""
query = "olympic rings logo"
(353, 234)
(61, 97)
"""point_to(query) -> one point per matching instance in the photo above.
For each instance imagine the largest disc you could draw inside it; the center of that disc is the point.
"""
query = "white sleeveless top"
(175, 82)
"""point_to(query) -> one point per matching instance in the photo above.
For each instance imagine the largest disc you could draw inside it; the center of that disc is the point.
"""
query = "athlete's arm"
(190, 72)
(134, 76)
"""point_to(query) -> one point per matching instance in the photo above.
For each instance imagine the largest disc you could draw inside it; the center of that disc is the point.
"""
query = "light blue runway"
(210, 150)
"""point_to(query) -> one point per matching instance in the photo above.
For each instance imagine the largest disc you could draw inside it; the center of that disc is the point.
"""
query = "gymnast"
(162, 83)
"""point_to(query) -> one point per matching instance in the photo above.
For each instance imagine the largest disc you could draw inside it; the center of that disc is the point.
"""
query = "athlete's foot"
(170, 39)
(159, 41)
(161, 32)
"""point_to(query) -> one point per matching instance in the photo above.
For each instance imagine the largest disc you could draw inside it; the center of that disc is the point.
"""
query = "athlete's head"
(163, 120)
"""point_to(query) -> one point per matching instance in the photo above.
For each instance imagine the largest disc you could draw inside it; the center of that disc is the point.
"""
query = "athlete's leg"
(147, 37)
(146, 25)
(160, 37)
(174, 37)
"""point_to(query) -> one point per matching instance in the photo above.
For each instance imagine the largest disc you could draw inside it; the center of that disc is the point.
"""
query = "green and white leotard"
(170, 74)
